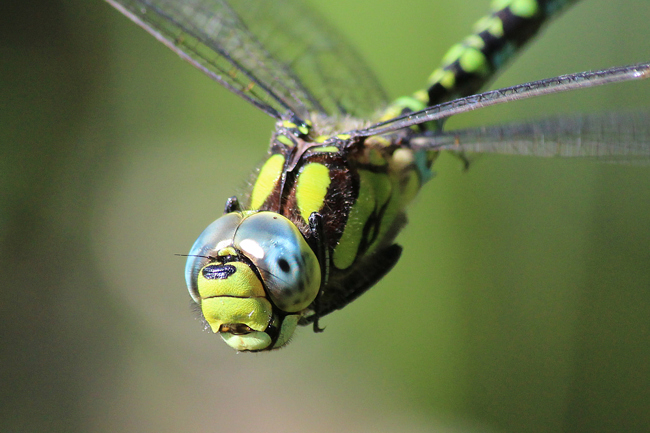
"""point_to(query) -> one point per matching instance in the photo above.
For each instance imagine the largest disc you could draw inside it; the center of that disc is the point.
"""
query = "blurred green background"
(521, 303)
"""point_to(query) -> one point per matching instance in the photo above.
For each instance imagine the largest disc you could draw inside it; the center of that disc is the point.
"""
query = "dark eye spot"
(284, 265)
(218, 272)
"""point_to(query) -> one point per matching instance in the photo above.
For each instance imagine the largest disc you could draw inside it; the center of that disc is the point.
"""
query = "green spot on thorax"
(311, 188)
(325, 149)
(293, 128)
(267, 179)
(375, 190)
(284, 140)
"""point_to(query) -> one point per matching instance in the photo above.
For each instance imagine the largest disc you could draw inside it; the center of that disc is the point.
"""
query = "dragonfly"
(319, 225)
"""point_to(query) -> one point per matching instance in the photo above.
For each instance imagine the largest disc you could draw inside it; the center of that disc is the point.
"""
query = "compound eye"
(215, 237)
(288, 266)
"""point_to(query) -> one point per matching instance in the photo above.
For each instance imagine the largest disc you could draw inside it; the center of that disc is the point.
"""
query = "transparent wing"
(278, 55)
(547, 86)
(614, 137)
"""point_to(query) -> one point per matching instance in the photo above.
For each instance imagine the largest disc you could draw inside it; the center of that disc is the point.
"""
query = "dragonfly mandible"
(318, 228)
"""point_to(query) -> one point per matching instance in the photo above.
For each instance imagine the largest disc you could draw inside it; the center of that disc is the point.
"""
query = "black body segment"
(497, 38)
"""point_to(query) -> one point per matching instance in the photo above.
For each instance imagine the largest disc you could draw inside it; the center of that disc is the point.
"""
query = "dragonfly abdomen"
(467, 66)
(470, 64)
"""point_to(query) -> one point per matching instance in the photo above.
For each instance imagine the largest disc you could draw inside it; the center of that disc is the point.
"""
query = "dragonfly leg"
(316, 226)
(463, 158)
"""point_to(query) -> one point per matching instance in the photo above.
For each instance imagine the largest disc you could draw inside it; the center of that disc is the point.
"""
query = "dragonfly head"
(253, 275)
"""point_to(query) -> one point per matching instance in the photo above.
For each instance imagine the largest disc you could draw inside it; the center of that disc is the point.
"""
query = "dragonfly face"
(252, 274)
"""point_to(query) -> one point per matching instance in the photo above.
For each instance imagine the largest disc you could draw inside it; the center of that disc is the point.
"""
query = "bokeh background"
(521, 303)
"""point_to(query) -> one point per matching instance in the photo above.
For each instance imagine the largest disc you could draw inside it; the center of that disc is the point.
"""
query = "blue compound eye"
(215, 237)
(288, 266)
